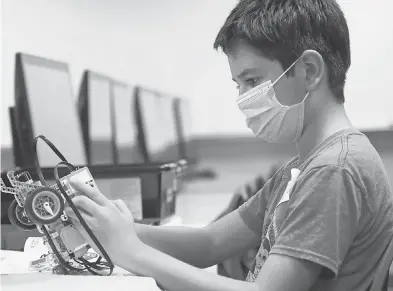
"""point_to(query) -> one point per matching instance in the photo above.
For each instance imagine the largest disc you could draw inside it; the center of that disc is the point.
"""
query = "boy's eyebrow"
(245, 72)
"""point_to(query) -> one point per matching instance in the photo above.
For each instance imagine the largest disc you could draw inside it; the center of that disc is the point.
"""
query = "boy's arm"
(108, 224)
(231, 235)
(201, 247)
(280, 273)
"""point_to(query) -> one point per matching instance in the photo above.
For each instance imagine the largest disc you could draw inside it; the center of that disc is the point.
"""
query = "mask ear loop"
(286, 71)
(305, 97)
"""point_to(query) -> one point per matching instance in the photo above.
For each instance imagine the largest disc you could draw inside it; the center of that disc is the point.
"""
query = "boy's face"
(249, 68)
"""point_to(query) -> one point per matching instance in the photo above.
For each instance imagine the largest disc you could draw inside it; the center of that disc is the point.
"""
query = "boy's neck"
(333, 119)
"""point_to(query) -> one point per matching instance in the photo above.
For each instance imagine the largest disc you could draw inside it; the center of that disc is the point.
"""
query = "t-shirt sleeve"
(253, 210)
(322, 218)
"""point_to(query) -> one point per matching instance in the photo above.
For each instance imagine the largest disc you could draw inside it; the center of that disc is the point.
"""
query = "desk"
(40, 282)
(121, 280)
(22, 280)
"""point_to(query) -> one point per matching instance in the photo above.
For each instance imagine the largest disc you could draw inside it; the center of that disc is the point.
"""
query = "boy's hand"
(111, 222)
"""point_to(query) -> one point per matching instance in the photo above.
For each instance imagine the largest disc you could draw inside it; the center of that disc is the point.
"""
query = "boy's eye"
(252, 82)
(247, 85)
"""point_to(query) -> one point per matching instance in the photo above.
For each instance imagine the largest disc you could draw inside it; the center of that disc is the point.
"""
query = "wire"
(96, 265)
(78, 215)
(37, 163)
(89, 266)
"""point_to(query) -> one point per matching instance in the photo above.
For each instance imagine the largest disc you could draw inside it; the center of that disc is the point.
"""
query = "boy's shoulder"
(348, 151)
(351, 151)
(341, 150)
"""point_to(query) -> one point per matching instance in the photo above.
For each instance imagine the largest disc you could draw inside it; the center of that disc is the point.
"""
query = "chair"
(156, 126)
(187, 143)
(126, 131)
(381, 279)
(96, 112)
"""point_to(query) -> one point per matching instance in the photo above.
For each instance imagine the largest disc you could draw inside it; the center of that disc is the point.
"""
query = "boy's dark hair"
(284, 29)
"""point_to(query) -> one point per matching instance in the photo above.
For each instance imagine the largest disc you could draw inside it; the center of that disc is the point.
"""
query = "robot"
(41, 206)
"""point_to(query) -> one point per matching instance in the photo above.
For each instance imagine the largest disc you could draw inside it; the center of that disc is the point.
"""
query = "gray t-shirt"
(338, 214)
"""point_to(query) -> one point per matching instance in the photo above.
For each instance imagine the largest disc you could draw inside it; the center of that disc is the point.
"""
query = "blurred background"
(165, 48)
(167, 45)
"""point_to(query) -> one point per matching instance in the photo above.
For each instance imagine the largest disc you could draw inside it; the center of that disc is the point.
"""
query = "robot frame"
(38, 205)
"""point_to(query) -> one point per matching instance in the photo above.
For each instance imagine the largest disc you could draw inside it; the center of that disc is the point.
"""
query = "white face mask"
(267, 118)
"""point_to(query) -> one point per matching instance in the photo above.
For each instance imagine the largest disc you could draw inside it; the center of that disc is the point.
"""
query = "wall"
(168, 45)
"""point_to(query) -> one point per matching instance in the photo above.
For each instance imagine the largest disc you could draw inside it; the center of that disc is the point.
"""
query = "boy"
(325, 218)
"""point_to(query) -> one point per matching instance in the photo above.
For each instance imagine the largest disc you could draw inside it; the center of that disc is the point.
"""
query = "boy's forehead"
(243, 57)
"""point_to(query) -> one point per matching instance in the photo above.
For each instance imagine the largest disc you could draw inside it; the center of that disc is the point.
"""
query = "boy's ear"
(314, 69)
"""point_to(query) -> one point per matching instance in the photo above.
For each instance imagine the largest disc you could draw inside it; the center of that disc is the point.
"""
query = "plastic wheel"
(44, 205)
(18, 217)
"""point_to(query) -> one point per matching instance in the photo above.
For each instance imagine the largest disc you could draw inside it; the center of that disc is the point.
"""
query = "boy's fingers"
(86, 205)
(90, 191)
(121, 206)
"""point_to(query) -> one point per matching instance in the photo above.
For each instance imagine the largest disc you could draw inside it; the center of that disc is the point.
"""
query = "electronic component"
(40, 205)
